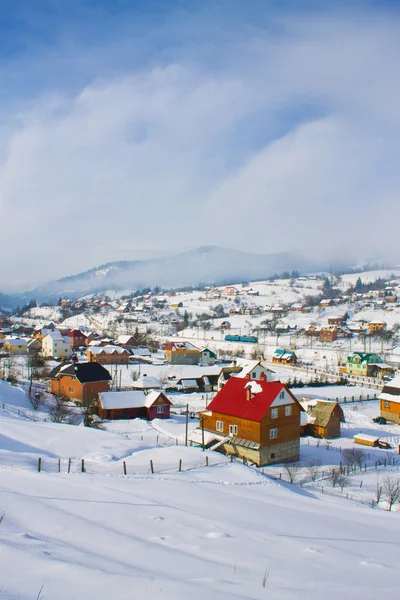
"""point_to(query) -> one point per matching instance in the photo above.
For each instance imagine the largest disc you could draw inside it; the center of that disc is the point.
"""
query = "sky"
(141, 128)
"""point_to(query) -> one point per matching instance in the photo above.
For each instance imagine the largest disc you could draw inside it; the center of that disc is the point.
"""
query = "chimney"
(248, 394)
(234, 362)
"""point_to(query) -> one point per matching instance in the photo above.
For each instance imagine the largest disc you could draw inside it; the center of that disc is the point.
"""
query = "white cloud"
(159, 157)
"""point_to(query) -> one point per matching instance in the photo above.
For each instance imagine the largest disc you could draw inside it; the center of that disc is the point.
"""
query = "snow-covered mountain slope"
(207, 264)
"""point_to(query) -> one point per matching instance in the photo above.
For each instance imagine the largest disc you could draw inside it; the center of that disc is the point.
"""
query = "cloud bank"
(263, 137)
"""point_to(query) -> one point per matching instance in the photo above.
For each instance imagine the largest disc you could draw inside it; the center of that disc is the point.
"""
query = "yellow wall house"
(16, 346)
(390, 401)
(182, 353)
(376, 326)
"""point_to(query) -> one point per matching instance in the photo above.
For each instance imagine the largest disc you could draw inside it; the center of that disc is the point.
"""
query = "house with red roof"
(77, 338)
(256, 420)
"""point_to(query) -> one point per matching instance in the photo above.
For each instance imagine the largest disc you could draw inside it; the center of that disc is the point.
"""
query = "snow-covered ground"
(224, 530)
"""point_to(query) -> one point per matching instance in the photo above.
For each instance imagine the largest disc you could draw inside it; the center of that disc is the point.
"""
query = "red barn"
(133, 404)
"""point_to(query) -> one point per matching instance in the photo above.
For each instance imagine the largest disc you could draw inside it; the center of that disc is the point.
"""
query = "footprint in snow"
(314, 550)
(217, 535)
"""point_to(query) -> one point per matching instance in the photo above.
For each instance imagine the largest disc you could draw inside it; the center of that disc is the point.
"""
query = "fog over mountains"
(206, 264)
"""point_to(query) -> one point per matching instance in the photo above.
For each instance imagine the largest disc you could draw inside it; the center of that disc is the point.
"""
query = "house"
(245, 369)
(376, 326)
(81, 382)
(208, 357)
(322, 418)
(285, 357)
(141, 355)
(56, 345)
(77, 338)
(125, 340)
(15, 345)
(147, 382)
(34, 346)
(256, 420)
(336, 320)
(225, 325)
(132, 405)
(328, 333)
(390, 401)
(108, 355)
(182, 353)
(366, 365)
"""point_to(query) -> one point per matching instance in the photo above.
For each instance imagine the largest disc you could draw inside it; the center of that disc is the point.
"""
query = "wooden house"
(77, 338)
(256, 420)
(390, 401)
(108, 355)
(286, 357)
(323, 418)
(81, 382)
(133, 404)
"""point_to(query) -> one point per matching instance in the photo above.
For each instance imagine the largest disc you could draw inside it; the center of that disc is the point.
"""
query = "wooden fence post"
(180, 464)
(83, 466)
(151, 466)
(69, 465)
(206, 461)
(39, 466)
(124, 468)
(59, 465)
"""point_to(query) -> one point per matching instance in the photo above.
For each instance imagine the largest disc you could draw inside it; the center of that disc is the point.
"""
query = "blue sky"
(141, 128)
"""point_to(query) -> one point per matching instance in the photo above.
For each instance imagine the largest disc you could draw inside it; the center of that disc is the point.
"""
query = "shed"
(133, 404)
(366, 440)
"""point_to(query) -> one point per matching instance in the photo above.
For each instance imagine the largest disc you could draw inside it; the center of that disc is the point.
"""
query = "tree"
(359, 284)
(59, 409)
(378, 490)
(353, 457)
(36, 399)
(292, 471)
(334, 476)
(391, 491)
(342, 481)
(313, 469)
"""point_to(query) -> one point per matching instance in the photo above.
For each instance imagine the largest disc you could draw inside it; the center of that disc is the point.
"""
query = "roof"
(86, 372)
(175, 346)
(232, 398)
(391, 391)
(147, 382)
(107, 350)
(130, 399)
(321, 411)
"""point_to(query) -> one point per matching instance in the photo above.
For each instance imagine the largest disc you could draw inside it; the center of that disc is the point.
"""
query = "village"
(292, 388)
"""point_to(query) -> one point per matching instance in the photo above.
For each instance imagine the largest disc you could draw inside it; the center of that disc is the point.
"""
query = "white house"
(56, 345)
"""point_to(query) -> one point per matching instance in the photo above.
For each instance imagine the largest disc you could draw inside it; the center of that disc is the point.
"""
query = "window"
(282, 395)
(160, 410)
(274, 413)
(387, 404)
(288, 411)
(254, 375)
(219, 426)
(233, 429)
(273, 433)
(71, 390)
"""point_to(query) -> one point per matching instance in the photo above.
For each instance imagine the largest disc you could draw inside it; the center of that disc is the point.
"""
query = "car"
(379, 420)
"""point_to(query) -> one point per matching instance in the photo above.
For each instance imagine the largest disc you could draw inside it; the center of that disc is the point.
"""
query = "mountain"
(207, 264)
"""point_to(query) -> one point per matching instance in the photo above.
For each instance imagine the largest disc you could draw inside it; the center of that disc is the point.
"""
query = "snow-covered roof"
(147, 382)
(129, 399)
(107, 349)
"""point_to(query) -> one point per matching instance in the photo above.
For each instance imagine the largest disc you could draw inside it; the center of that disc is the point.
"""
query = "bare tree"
(342, 481)
(36, 399)
(378, 490)
(334, 476)
(353, 457)
(292, 471)
(59, 410)
(313, 469)
(391, 490)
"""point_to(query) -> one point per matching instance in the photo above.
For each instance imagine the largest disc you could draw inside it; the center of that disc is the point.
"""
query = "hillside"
(207, 264)
(222, 531)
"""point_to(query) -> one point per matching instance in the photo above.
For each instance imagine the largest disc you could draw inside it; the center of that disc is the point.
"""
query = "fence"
(128, 467)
